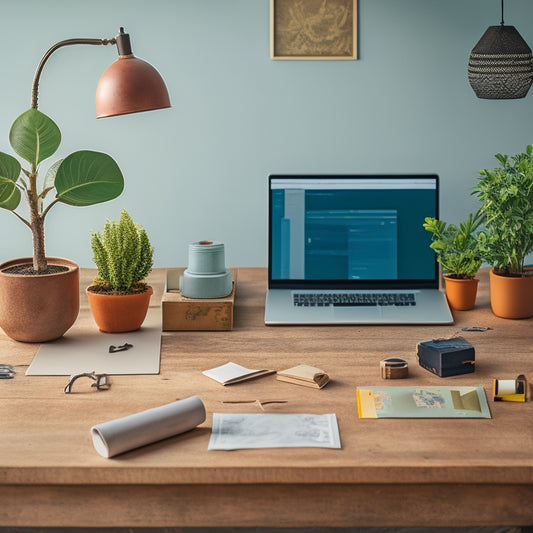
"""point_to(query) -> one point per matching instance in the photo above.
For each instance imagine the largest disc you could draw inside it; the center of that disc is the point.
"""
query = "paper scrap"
(233, 373)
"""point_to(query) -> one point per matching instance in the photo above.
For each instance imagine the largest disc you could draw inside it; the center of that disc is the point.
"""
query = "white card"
(233, 373)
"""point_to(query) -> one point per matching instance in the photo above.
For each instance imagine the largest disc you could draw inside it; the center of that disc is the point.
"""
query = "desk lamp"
(129, 85)
(39, 308)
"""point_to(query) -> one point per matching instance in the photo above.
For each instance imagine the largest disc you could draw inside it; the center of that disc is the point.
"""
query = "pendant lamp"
(129, 85)
(501, 64)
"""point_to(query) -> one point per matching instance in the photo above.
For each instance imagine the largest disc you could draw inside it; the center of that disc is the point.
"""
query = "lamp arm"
(67, 42)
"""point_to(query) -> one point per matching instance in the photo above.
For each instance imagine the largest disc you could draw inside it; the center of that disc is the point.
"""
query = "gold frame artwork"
(313, 29)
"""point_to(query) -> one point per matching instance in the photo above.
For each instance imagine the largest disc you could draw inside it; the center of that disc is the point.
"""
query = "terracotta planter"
(39, 308)
(461, 293)
(119, 313)
(511, 297)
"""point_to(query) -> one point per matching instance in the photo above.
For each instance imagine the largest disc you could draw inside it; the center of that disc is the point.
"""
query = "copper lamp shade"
(130, 85)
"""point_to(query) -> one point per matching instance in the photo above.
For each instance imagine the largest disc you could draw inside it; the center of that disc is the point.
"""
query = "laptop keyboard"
(351, 299)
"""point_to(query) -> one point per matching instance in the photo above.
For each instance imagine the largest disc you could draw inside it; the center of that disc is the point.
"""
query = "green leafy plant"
(506, 195)
(456, 246)
(82, 178)
(123, 255)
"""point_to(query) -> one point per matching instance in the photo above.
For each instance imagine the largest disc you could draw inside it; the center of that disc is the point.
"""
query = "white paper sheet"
(273, 430)
(130, 432)
(87, 350)
(234, 373)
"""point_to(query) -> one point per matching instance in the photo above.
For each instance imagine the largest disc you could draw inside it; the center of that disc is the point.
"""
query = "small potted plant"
(40, 295)
(457, 252)
(506, 195)
(119, 295)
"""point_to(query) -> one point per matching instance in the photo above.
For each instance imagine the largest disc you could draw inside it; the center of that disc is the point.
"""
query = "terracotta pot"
(119, 313)
(511, 297)
(39, 308)
(461, 293)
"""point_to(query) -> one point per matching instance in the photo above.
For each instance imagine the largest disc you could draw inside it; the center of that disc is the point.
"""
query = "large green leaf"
(87, 178)
(34, 136)
(9, 174)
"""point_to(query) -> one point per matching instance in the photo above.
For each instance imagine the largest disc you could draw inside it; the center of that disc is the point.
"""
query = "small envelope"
(305, 375)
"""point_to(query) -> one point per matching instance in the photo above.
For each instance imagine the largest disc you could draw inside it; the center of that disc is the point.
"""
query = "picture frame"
(313, 29)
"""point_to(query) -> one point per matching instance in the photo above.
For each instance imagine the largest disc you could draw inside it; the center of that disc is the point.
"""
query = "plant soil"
(104, 288)
(28, 270)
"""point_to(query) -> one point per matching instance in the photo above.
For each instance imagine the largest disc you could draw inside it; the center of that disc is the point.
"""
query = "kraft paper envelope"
(306, 375)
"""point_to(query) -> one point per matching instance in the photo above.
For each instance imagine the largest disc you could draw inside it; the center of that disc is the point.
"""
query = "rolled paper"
(133, 431)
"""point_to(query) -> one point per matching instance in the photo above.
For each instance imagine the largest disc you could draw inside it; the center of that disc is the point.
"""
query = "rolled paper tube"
(133, 431)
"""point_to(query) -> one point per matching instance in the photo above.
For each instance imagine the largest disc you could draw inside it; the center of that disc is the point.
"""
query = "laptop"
(352, 250)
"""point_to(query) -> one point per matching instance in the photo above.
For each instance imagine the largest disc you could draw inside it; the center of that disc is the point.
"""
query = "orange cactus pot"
(119, 313)
(461, 293)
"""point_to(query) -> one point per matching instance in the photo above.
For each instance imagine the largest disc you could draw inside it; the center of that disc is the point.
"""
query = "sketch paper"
(234, 373)
(422, 402)
(87, 349)
(273, 430)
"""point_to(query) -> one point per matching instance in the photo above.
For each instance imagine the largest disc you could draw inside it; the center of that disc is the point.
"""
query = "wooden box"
(190, 314)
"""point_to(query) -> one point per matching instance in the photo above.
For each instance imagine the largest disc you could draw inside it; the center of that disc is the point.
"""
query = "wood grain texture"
(452, 472)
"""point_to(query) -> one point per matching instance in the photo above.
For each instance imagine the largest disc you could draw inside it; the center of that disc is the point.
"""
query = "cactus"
(123, 255)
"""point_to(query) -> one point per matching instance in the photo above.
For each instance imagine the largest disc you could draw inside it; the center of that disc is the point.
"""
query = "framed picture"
(313, 29)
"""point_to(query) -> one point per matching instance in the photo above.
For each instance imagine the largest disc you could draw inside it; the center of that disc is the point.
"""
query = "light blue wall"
(199, 170)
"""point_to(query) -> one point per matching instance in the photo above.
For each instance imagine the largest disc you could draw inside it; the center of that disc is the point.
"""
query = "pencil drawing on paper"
(269, 430)
(319, 29)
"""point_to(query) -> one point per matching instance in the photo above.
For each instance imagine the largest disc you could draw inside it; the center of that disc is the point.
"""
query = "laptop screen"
(351, 231)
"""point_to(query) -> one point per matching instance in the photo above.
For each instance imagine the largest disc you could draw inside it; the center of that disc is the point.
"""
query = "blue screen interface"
(352, 228)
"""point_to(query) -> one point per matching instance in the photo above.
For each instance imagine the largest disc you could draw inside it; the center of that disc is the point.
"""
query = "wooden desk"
(388, 473)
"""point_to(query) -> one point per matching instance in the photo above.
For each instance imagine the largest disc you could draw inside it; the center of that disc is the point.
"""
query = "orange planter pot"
(461, 293)
(39, 308)
(119, 313)
(511, 297)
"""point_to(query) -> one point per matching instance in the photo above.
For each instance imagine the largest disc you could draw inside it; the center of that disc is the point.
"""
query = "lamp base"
(206, 285)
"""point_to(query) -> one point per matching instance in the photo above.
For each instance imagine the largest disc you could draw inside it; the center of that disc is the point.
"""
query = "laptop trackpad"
(358, 313)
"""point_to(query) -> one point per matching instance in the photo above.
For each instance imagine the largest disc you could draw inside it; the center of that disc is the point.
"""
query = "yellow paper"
(366, 405)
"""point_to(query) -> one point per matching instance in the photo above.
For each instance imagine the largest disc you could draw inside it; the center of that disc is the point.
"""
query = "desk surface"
(388, 472)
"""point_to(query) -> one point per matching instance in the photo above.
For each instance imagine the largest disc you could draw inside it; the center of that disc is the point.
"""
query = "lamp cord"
(502, 15)
(35, 85)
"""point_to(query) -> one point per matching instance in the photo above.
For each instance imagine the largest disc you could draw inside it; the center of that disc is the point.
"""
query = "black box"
(447, 357)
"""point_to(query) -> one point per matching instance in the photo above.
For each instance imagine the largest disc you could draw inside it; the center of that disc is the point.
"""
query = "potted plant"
(506, 195)
(457, 252)
(119, 295)
(39, 296)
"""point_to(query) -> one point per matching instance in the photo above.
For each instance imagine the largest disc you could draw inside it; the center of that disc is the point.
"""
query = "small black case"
(447, 357)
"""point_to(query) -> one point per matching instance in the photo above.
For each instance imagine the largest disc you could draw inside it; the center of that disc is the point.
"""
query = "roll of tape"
(394, 368)
(506, 386)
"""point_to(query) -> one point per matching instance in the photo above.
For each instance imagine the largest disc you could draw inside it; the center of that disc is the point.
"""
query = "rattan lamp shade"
(501, 64)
